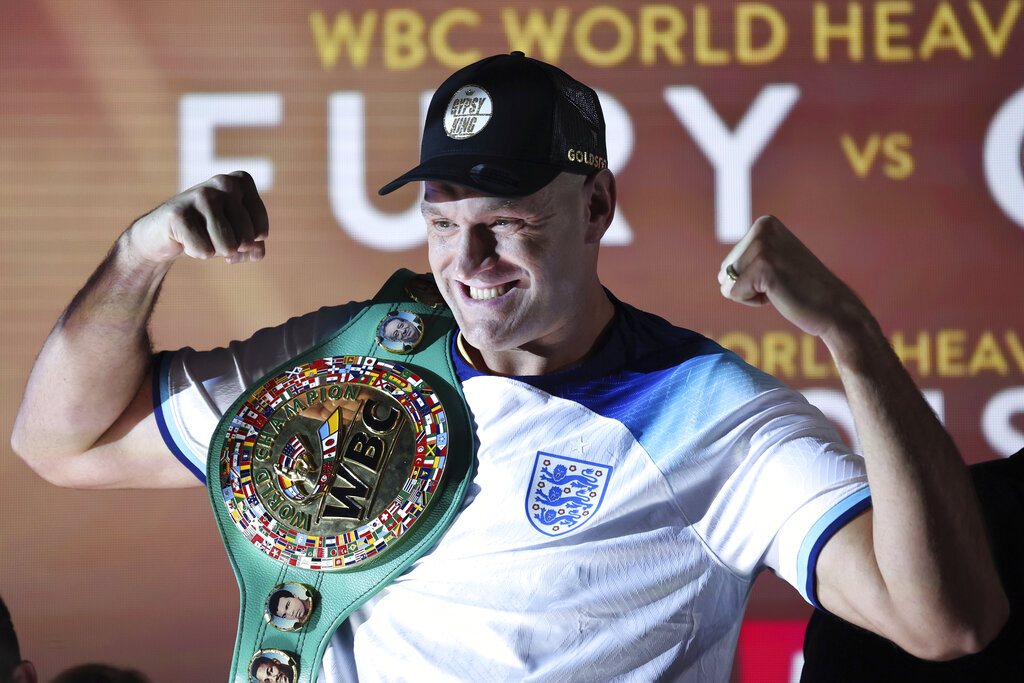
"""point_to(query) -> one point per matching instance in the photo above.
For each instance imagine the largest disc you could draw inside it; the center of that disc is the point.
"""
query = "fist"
(771, 266)
(221, 217)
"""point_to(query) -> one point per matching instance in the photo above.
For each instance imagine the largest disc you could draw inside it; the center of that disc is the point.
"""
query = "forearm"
(93, 362)
(927, 534)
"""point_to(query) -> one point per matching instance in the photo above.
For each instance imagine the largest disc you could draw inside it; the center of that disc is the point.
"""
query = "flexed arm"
(916, 568)
(86, 419)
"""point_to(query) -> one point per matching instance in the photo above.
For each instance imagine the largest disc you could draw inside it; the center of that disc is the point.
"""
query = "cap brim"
(499, 177)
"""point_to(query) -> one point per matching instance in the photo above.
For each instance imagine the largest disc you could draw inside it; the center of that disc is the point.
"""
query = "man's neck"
(545, 357)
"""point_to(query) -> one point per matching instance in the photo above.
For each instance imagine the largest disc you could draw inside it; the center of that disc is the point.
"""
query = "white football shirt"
(618, 517)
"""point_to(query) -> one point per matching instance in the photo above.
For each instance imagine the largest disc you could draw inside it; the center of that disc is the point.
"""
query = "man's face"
(512, 271)
(271, 673)
(291, 608)
(400, 330)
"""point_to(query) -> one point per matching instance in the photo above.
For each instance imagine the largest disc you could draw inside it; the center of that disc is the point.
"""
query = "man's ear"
(600, 209)
(24, 672)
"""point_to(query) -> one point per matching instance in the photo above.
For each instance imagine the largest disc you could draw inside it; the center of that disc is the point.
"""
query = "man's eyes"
(502, 223)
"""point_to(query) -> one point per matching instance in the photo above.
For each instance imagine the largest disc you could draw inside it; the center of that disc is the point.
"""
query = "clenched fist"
(770, 265)
(221, 217)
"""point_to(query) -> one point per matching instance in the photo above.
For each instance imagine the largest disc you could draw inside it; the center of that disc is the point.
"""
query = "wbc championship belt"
(335, 472)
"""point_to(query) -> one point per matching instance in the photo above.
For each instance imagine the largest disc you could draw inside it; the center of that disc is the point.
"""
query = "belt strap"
(335, 472)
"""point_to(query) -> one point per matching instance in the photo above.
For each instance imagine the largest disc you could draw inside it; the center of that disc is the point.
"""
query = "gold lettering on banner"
(621, 26)
(537, 31)
(1013, 343)
(438, 37)
(918, 352)
(987, 357)
(850, 30)
(651, 34)
(949, 352)
(779, 352)
(944, 33)
(703, 51)
(944, 353)
(895, 148)
(329, 42)
(747, 14)
(861, 159)
(404, 48)
(995, 38)
(888, 30)
(901, 35)
(661, 27)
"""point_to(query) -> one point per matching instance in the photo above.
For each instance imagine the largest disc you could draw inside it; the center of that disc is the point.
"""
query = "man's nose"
(476, 251)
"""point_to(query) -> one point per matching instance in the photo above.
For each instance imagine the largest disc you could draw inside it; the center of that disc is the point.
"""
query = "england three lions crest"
(564, 492)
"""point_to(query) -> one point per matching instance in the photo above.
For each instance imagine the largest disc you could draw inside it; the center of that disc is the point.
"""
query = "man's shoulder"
(647, 342)
(666, 359)
(309, 328)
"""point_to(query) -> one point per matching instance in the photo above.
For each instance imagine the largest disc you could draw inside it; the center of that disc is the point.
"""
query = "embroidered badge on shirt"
(564, 492)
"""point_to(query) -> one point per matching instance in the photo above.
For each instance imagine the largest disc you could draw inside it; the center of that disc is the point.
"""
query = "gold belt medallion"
(328, 463)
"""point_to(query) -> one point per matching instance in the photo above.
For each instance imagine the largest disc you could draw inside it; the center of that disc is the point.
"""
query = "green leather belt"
(335, 472)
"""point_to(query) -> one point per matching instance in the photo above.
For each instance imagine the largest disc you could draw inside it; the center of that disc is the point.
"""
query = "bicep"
(131, 453)
(847, 580)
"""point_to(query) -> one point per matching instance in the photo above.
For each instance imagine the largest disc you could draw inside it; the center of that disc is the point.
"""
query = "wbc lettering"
(369, 442)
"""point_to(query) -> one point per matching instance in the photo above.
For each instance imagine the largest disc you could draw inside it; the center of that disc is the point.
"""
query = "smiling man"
(632, 477)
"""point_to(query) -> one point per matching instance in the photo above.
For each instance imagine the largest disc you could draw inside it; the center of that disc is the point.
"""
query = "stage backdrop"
(887, 135)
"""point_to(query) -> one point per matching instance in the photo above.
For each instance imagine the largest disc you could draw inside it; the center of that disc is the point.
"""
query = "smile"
(481, 294)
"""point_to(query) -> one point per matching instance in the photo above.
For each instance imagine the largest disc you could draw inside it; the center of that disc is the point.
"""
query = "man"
(689, 471)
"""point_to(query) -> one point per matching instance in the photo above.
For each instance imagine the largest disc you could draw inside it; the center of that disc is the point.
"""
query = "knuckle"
(220, 181)
(206, 196)
(200, 251)
(766, 226)
(181, 218)
(177, 213)
(242, 177)
(233, 183)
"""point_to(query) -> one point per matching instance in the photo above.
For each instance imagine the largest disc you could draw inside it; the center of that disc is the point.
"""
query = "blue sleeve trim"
(826, 526)
(161, 394)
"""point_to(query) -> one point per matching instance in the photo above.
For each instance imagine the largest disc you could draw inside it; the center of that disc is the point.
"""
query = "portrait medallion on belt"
(289, 606)
(330, 462)
(400, 331)
(272, 666)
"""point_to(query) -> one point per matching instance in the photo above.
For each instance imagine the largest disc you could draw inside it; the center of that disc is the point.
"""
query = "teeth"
(481, 294)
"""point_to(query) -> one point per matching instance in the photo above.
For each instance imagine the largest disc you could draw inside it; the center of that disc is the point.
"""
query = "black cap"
(506, 126)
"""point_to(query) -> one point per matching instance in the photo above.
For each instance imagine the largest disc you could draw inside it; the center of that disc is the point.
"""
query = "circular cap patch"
(327, 464)
(468, 112)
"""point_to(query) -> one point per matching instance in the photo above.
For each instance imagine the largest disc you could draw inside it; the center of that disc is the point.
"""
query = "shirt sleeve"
(192, 389)
(785, 482)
